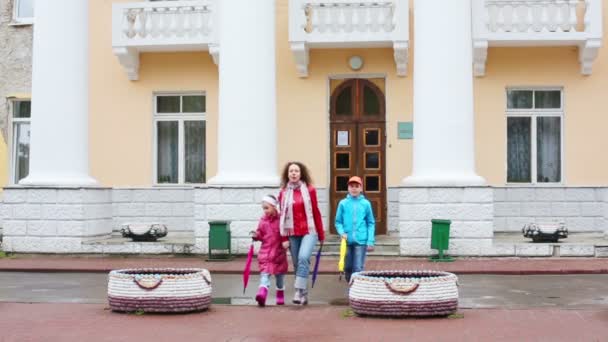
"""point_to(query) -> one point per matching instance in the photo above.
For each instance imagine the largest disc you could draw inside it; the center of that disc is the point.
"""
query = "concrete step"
(384, 246)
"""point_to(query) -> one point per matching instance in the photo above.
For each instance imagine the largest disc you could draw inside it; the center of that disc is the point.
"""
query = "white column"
(247, 152)
(59, 146)
(444, 150)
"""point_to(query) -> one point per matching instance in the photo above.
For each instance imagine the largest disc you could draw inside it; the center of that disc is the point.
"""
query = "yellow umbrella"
(342, 257)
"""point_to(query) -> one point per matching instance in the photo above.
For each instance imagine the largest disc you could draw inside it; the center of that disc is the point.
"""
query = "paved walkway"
(95, 322)
(67, 263)
(90, 322)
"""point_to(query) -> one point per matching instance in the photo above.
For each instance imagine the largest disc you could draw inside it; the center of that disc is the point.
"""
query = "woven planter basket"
(404, 293)
(159, 289)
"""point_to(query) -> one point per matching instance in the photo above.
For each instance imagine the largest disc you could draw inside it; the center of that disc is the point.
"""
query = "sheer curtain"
(167, 153)
(194, 151)
(548, 143)
(518, 150)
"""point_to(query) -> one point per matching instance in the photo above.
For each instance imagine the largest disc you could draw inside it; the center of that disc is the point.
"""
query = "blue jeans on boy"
(279, 278)
(354, 260)
(301, 248)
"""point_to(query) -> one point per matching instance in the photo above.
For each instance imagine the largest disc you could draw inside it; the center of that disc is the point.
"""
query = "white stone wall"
(15, 60)
(470, 209)
(54, 220)
(239, 205)
(582, 209)
(172, 206)
(393, 211)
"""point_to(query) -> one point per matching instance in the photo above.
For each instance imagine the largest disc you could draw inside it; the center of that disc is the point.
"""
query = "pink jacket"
(272, 257)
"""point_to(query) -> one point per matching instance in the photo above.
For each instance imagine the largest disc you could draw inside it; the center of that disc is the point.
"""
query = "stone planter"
(143, 231)
(159, 289)
(545, 232)
(404, 293)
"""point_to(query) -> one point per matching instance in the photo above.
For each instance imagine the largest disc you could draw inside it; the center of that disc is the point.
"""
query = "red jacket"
(299, 213)
(272, 257)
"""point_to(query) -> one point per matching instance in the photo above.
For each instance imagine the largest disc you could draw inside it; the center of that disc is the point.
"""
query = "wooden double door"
(358, 140)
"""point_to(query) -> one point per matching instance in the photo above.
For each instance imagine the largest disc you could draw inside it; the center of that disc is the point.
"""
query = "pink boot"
(261, 296)
(280, 297)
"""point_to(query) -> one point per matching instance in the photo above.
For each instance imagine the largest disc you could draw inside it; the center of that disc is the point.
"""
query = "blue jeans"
(355, 259)
(265, 280)
(301, 248)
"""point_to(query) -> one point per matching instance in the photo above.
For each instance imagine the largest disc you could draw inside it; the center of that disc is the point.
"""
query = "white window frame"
(533, 114)
(180, 118)
(11, 134)
(17, 20)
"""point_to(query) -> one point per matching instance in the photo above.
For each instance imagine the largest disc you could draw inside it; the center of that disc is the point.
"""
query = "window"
(20, 139)
(179, 135)
(534, 135)
(23, 11)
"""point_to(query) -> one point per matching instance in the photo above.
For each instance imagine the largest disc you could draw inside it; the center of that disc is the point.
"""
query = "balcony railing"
(162, 26)
(348, 24)
(537, 23)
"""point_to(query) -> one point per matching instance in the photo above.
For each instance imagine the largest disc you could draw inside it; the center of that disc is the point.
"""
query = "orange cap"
(355, 179)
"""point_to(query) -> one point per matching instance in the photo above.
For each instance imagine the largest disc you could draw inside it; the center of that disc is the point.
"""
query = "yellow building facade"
(533, 143)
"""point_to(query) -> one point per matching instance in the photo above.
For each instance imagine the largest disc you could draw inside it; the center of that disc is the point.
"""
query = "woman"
(301, 222)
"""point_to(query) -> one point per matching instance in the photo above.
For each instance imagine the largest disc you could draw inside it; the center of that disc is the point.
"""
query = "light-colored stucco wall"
(585, 108)
(303, 103)
(15, 74)
(121, 126)
(121, 110)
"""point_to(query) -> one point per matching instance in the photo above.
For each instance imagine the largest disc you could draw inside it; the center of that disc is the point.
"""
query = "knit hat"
(270, 200)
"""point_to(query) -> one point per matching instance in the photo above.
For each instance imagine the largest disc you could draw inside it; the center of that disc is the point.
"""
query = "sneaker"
(297, 297)
(304, 298)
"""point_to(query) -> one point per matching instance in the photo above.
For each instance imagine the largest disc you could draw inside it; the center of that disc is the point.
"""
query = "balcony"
(513, 23)
(163, 26)
(348, 24)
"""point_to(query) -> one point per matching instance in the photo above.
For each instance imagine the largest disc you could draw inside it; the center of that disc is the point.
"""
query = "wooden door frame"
(383, 121)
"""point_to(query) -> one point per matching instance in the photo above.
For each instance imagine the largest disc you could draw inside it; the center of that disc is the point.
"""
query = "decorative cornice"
(401, 55)
(301, 56)
(587, 53)
(129, 59)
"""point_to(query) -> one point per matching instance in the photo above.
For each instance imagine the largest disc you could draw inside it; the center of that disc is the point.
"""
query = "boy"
(355, 223)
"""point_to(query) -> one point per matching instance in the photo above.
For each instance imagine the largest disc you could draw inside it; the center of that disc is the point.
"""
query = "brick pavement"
(71, 263)
(87, 322)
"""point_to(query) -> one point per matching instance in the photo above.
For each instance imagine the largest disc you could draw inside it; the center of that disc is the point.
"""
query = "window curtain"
(518, 150)
(21, 147)
(167, 153)
(194, 151)
(548, 143)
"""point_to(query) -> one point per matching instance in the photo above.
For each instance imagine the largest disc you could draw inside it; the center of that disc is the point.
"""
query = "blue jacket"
(355, 218)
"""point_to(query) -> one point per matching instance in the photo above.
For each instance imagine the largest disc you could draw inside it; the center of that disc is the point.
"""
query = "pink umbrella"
(247, 269)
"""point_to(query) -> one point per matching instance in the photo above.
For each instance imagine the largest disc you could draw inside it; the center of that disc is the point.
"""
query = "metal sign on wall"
(405, 130)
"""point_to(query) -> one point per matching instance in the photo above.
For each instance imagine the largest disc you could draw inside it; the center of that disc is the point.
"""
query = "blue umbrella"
(316, 269)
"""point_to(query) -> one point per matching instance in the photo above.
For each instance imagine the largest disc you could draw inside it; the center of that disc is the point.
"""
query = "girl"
(272, 256)
(301, 222)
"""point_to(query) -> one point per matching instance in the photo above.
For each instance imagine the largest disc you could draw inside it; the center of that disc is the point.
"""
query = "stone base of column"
(54, 220)
(244, 180)
(241, 205)
(76, 180)
(471, 210)
(448, 180)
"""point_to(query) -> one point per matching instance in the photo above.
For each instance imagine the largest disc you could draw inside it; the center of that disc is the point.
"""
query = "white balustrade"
(163, 26)
(334, 17)
(154, 22)
(347, 24)
(532, 15)
(537, 23)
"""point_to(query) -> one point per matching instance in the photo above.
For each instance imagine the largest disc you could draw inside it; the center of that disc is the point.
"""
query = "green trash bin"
(440, 239)
(219, 241)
